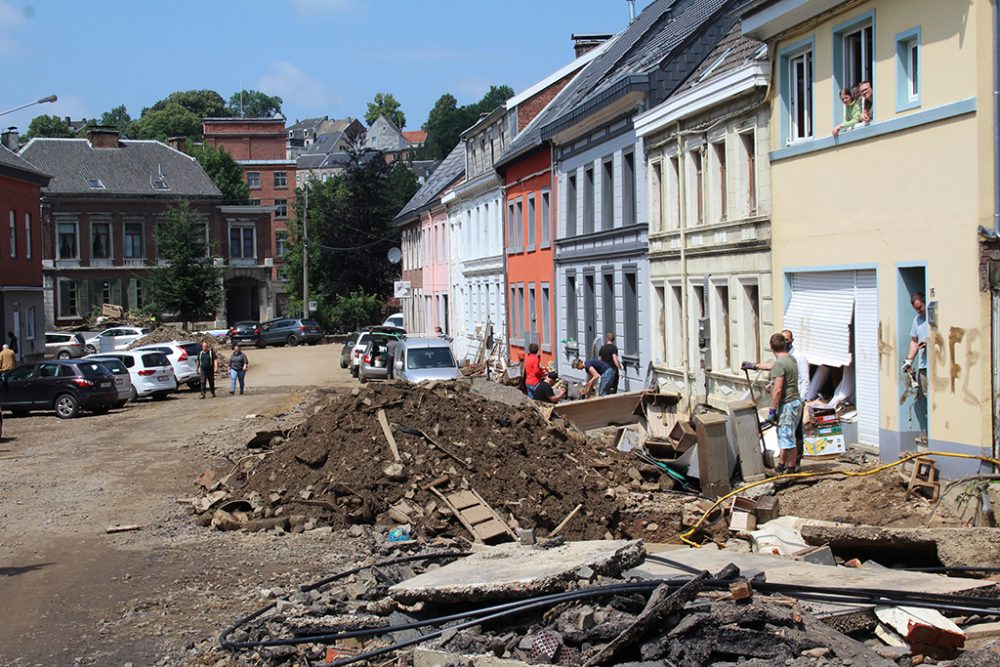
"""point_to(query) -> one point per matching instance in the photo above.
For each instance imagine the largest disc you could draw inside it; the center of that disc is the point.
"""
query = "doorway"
(914, 419)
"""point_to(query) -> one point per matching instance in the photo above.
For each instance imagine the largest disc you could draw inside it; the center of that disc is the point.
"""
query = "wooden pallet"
(476, 515)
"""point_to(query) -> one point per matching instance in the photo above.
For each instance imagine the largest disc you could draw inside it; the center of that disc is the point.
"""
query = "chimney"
(631, 11)
(103, 136)
(9, 139)
(588, 42)
(178, 143)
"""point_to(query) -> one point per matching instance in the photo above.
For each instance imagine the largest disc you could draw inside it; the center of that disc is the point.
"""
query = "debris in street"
(122, 529)
(951, 547)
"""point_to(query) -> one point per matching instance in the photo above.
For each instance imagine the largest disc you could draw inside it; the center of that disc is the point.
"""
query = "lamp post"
(41, 100)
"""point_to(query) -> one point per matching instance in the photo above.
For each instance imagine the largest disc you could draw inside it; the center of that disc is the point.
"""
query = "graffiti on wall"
(954, 360)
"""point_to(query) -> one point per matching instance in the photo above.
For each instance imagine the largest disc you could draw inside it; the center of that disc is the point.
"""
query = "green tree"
(50, 127)
(202, 103)
(385, 104)
(254, 104)
(224, 172)
(180, 114)
(350, 233)
(188, 285)
(446, 120)
(353, 311)
(119, 118)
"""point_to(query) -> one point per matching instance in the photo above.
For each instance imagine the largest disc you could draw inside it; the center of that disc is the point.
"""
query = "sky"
(322, 57)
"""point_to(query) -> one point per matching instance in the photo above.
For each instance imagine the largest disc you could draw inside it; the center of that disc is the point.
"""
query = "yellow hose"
(802, 475)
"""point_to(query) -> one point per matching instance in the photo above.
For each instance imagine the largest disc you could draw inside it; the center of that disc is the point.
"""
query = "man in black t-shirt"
(609, 355)
(544, 391)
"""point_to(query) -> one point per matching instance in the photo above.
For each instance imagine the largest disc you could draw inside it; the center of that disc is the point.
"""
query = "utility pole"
(305, 256)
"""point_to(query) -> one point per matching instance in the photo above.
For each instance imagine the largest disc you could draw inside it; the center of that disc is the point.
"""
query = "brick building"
(98, 226)
(259, 146)
(21, 303)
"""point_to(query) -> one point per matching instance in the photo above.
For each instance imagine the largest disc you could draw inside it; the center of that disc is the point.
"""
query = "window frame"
(630, 206)
(93, 239)
(786, 58)
(75, 298)
(546, 215)
(608, 193)
(283, 177)
(570, 226)
(242, 228)
(27, 235)
(76, 239)
(253, 180)
(13, 234)
(840, 32)
(281, 243)
(908, 42)
(126, 236)
(281, 208)
(532, 221)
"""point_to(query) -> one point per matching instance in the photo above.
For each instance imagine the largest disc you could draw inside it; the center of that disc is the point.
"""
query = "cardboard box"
(824, 445)
(683, 436)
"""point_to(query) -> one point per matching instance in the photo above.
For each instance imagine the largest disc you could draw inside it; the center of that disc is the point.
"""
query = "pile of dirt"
(337, 468)
(167, 334)
(875, 500)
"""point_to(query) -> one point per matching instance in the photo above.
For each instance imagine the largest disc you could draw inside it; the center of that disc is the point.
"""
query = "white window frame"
(13, 234)
(283, 177)
(27, 235)
(281, 209)
(253, 180)
(29, 324)
(243, 228)
(801, 99)
(909, 75)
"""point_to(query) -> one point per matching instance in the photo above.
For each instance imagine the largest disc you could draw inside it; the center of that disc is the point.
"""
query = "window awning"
(820, 314)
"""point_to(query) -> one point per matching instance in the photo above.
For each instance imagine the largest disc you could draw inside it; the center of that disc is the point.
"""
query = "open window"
(854, 61)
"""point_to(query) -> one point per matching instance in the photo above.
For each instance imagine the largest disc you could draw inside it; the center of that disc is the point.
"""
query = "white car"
(183, 356)
(151, 372)
(358, 351)
(117, 338)
(394, 320)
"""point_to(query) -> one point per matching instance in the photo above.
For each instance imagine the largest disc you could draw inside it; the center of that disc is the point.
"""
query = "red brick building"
(22, 305)
(258, 145)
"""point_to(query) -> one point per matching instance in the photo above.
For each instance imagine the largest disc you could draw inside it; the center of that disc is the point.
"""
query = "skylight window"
(160, 184)
(97, 184)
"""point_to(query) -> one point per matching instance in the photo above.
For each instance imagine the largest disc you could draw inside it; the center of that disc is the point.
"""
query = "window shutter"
(82, 298)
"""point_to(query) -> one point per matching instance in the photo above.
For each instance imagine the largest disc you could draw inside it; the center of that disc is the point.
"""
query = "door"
(17, 331)
(866, 356)
(48, 381)
(16, 387)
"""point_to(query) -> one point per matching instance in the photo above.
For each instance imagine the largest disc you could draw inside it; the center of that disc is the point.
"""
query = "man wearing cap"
(545, 393)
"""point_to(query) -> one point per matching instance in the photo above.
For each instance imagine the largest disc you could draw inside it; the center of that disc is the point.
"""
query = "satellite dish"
(395, 255)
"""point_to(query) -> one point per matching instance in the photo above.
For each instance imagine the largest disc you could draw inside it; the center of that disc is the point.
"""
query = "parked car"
(246, 332)
(394, 320)
(119, 337)
(345, 353)
(374, 363)
(151, 372)
(358, 351)
(64, 345)
(183, 357)
(290, 331)
(123, 379)
(420, 359)
(66, 386)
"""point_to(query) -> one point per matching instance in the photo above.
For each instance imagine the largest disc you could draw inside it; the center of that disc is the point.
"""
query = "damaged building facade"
(709, 224)
(863, 219)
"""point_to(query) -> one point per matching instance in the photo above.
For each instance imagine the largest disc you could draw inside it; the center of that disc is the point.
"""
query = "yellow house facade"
(886, 207)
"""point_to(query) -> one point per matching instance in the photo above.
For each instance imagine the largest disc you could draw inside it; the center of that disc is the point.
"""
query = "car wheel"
(160, 395)
(90, 349)
(66, 406)
(260, 343)
(361, 378)
(120, 404)
(101, 411)
(292, 340)
(194, 385)
(63, 355)
(134, 396)
(343, 364)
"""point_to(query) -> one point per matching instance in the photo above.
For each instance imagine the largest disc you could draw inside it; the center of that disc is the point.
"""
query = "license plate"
(105, 384)
(164, 379)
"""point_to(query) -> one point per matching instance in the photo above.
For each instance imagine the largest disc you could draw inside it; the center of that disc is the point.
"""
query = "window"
(546, 221)
(242, 242)
(572, 321)
(543, 334)
(628, 189)
(801, 101)
(281, 208)
(96, 184)
(721, 329)
(719, 184)
(532, 314)
(750, 319)
(749, 148)
(133, 241)
(589, 314)
(102, 292)
(696, 187)
(199, 237)
(511, 239)
(68, 306)
(532, 222)
(100, 233)
(609, 319)
(29, 325)
(630, 344)
(66, 239)
(255, 202)
(280, 243)
(27, 235)
(519, 225)
(908, 69)
(853, 57)
(608, 194)
(523, 331)
(280, 179)
(656, 221)
(673, 333)
(13, 234)
(571, 205)
(253, 180)
(672, 194)
(588, 200)
(660, 325)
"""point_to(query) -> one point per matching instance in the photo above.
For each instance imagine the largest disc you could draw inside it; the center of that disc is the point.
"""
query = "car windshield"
(430, 357)
(310, 323)
(93, 368)
(155, 359)
(192, 349)
(114, 365)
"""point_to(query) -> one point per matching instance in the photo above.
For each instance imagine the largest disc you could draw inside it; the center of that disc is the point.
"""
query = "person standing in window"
(920, 330)
(852, 111)
(865, 95)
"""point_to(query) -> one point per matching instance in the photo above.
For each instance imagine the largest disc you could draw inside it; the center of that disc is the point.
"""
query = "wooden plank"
(458, 515)
(746, 432)
(562, 524)
(463, 499)
(384, 423)
(713, 455)
(477, 514)
(490, 529)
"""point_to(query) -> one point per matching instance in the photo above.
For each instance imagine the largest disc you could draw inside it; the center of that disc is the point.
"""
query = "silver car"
(425, 359)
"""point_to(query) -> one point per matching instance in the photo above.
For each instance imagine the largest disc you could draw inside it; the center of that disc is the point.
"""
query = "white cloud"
(312, 7)
(296, 88)
(11, 20)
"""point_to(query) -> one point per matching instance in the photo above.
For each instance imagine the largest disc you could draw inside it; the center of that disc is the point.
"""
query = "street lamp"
(43, 100)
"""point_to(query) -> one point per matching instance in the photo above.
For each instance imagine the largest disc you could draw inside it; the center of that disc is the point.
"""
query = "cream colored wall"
(912, 196)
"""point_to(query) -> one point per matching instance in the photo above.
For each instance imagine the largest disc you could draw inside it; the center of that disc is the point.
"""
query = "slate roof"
(450, 170)
(339, 159)
(642, 48)
(130, 170)
(18, 167)
(733, 53)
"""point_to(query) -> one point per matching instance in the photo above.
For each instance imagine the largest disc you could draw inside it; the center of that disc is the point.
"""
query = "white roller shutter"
(820, 313)
(866, 358)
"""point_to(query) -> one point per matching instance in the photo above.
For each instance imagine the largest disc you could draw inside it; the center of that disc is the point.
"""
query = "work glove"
(772, 416)
(907, 366)
(748, 365)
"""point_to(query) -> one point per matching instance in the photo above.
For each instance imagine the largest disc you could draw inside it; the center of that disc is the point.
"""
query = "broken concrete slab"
(511, 571)
(614, 410)
(425, 657)
(954, 547)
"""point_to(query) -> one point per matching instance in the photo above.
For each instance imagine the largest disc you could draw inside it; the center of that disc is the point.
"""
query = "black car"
(66, 386)
(291, 331)
(246, 332)
(345, 354)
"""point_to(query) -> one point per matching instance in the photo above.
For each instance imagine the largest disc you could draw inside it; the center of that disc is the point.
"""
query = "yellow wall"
(913, 196)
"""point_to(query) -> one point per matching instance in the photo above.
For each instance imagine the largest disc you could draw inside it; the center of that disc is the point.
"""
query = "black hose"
(959, 568)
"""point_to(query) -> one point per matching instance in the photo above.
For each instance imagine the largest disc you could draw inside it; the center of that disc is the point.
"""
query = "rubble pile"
(167, 334)
(339, 468)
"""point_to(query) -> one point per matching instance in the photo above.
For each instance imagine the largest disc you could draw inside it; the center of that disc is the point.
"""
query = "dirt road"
(72, 594)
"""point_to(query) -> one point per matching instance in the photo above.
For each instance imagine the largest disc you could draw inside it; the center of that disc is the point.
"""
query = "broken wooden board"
(387, 432)
(785, 571)
(713, 455)
(746, 433)
(614, 410)
(476, 515)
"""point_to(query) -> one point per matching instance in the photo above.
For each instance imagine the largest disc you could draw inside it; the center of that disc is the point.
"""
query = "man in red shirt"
(533, 371)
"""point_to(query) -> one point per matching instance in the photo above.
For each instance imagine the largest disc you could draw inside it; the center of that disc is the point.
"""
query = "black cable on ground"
(944, 568)
(224, 635)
